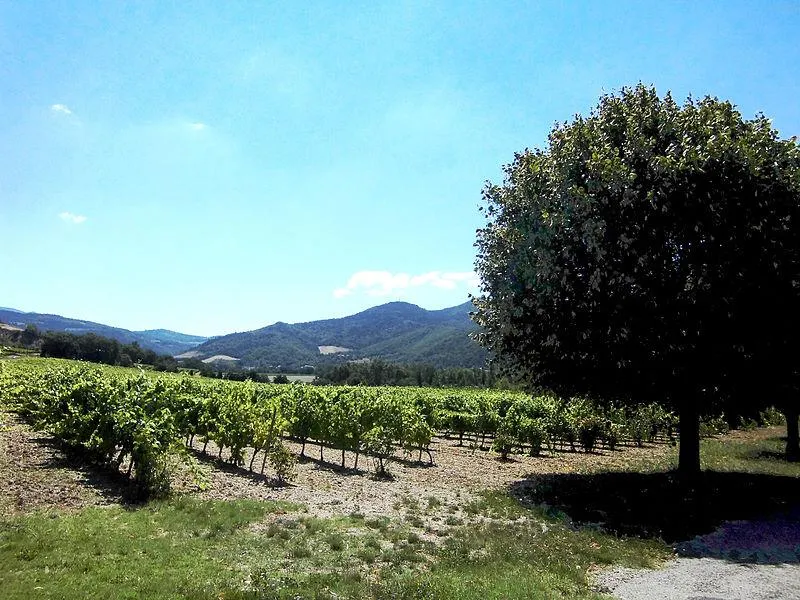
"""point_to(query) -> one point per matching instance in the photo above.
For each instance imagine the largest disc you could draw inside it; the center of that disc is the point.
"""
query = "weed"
(335, 541)
(433, 502)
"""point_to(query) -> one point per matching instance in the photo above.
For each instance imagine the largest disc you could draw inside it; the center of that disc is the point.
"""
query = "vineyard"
(142, 423)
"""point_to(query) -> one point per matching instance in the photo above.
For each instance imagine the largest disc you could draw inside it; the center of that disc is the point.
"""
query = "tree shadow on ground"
(323, 464)
(659, 505)
(113, 486)
(239, 470)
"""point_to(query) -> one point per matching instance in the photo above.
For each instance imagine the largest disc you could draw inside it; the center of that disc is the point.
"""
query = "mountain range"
(395, 332)
(161, 341)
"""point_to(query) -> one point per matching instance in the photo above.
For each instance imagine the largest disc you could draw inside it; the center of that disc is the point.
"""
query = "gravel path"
(742, 560)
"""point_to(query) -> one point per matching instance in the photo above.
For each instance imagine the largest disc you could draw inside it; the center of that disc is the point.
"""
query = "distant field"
(300, 378)
(219, 358)
(333, 349)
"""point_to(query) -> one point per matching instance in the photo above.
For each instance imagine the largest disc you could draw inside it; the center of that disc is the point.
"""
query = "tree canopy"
(650, 251)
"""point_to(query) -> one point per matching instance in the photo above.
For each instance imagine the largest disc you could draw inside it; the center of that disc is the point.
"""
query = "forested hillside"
(160, 341)
(397, 331)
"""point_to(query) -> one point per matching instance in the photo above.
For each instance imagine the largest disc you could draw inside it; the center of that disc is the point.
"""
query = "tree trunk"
(689, 450)
(792, 433)
(264, 462)
(253, 458)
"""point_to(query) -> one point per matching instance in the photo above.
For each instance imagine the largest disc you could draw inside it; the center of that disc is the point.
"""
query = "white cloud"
(62, 109)
(198, 126)
(384, 283)
(71, 218)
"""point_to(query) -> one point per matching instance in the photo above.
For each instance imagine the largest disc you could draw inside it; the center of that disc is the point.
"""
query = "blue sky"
(216, 167)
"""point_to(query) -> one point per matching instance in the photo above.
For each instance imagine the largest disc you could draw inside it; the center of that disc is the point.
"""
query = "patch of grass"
(379, 523)
(433, 502)
(407, 502)
(335, 541)
(300, 549)
(164, 550)
(415, 521)
(520, 561)
(495, 505)
(192, 549)
(761, 451)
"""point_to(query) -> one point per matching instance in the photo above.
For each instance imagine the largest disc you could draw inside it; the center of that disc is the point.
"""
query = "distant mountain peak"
(395, 331)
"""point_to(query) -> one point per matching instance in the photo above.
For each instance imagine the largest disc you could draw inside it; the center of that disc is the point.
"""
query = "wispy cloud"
(384, 283)
(61, 109)
(73, 219)
(197, 126)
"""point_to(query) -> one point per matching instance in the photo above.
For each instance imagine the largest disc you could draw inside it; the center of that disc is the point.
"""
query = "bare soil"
(457, 474)
(36, 474)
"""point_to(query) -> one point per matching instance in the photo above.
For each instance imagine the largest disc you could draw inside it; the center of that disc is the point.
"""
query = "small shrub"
(503, 443)
(283, 461)
(368, 555)
(379, 443)
(532, 432)
(335, 542)
(747, 423)
(300, 550)
(772, 417)
(712, 426)
(611, 434)
(589, 431)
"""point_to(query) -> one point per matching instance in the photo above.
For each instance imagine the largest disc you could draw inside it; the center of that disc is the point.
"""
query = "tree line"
(100, 349)
(379, 373)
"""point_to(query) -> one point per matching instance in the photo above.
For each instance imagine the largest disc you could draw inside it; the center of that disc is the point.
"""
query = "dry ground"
(35, 473)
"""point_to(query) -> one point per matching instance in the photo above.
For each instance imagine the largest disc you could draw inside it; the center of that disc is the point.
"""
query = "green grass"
(759, 451)
(187, 548)
(170, 550)
(494, 547)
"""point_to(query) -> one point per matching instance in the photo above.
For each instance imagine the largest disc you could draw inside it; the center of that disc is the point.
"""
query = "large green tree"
(650, 251)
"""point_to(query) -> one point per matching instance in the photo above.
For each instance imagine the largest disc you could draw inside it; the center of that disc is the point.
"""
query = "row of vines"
(146, 422)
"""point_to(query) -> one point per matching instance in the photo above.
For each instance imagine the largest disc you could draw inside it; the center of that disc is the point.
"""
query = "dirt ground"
(35, 474)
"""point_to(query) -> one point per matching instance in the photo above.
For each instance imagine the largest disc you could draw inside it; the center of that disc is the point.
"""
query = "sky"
(211, 167)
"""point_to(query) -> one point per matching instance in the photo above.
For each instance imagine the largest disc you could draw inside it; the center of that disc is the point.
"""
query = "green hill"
(397, 332)
(161, 341)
